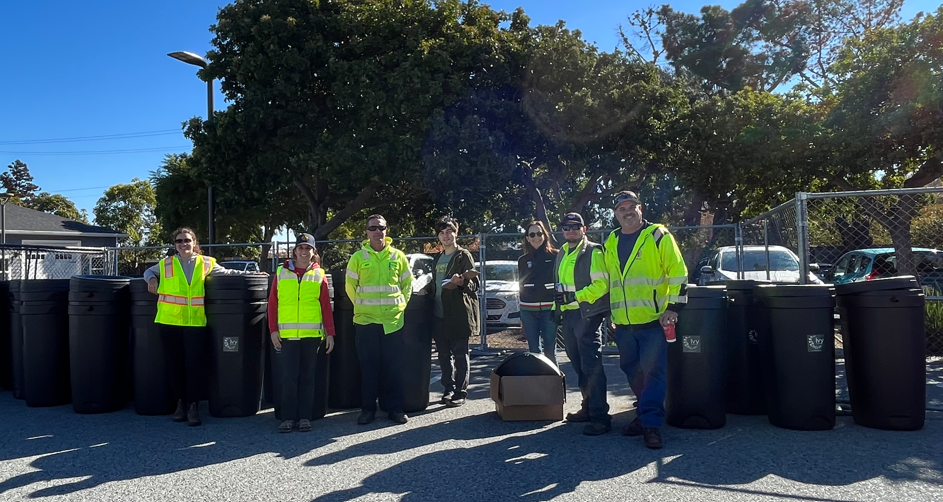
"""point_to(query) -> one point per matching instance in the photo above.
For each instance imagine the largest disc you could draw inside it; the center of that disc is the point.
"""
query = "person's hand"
(152, 286)
(569, 297)
(669, 317)
(457, 280)
(559, 298)
(329, 343)
(277, 340)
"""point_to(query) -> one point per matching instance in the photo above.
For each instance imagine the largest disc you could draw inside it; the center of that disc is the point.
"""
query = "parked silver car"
(782, 263)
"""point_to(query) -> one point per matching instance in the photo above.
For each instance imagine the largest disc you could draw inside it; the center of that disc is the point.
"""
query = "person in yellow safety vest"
(178, 283)
(379, 284)
(647, 289)
(300, 317)
(581, 297)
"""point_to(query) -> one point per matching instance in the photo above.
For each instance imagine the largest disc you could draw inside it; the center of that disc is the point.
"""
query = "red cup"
(670, 333)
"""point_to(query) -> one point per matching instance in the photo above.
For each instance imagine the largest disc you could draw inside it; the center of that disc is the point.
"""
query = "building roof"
(21, 220)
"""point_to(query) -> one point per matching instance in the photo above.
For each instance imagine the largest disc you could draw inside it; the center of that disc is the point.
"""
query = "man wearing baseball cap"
(581, 297)
(647, 281)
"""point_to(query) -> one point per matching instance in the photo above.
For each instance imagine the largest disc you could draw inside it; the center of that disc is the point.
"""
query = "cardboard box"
(528, 397)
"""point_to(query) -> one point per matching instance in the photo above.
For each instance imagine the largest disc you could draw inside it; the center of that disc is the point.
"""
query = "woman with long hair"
(178, 281)
(535, 272)
(299, 317)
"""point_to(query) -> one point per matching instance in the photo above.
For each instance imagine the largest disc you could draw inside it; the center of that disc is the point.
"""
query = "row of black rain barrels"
(751, 348)
(88, 338)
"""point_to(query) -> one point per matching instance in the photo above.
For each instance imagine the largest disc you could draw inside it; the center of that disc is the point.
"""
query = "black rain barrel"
(745, 394)
(16, 340)
(417, 353)
(152, 395)
(797, 342)
(344, 381)
(883, 336)
(695, 395)
(6, 359)
(99, 320)
(236, 328)
(45, 319)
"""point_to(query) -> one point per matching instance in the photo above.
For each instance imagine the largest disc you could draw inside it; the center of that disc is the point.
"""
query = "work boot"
(366, 417)
(579, 416)
(399, 418)
(193, 415)
(181, 414)
(456, 402)
(634, 428)
(596, 429)
(652, 437)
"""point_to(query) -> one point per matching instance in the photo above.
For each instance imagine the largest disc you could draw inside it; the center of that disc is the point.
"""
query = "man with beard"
(647, 290)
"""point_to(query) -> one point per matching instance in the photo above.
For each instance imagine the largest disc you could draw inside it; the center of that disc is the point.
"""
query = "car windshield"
(233, 265)
(756, 260)
(501, 273)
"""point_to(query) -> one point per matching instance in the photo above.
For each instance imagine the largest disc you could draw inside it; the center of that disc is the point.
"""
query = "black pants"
(453, 360)
(185, 353)
(298, 381)
(584, 348)
(381, 367)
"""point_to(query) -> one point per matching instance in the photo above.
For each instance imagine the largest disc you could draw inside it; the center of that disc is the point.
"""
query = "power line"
(102, 152)
(79, 139)
(77, 189)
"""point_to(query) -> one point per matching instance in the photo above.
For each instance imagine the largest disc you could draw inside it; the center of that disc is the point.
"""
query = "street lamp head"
(189, 58)
(5, 197)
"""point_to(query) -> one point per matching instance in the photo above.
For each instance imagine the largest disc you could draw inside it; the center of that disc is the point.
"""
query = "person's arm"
(153, 272)
(675, 270)
(471, 286)
(327, 315)
(273, 306)
(406, 277)
(353, 277)
(599, 277)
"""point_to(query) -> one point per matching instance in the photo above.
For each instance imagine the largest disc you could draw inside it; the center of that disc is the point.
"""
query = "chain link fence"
(19, 262)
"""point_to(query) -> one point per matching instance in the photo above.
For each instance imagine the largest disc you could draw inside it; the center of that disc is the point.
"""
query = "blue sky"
(99, 68)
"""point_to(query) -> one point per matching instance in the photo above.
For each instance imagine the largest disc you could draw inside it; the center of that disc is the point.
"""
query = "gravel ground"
(457, 454)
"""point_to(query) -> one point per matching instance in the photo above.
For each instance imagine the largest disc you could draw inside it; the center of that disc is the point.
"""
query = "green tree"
(19, 182)
(129, 208)
(56, 204)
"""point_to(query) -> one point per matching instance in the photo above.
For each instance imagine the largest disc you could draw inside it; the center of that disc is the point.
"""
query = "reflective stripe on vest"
(378, 289)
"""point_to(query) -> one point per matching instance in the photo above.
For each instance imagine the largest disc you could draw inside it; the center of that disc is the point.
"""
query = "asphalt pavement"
(466, 453)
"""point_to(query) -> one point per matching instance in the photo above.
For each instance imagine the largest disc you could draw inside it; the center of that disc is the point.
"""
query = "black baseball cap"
(623, 196)
(306, 239)
(572, 218)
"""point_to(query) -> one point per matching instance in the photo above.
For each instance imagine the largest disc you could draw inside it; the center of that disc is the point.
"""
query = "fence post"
(802, 228)
(766, 246)
(483, 305)
(738, 242)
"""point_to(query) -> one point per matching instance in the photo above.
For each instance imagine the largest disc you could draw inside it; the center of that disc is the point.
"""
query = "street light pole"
(4, 198)
(196, 60)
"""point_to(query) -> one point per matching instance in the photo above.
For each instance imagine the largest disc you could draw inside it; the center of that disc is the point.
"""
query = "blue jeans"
(643, 357)
(541, 332)
(584, 348)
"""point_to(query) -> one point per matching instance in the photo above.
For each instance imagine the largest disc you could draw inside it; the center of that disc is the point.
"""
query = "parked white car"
(502, 294)
(783, 265)
(241, 265)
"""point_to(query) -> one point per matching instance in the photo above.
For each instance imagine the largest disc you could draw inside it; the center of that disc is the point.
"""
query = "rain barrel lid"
(527, 364)
(794, 290)
(707, 291)
(902, 282)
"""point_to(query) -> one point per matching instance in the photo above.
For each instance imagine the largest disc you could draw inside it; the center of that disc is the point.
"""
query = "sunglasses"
(374, 228)
(567, 228)
(534, 235)
(183, 241)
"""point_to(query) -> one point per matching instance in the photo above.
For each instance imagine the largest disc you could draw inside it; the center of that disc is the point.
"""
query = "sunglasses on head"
(374, 228)
(567, 228)
(534, 235)
(183, 241)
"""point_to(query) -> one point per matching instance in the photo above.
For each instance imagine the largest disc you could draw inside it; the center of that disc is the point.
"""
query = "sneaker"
(304, 425)
(579, 416)
(286, 426)
(399, 418)
(366, 417)
(455, 403)
(181, 414)
(596, 429)
(652, 437)
(193, 415)
(446, 398)
(634, 428)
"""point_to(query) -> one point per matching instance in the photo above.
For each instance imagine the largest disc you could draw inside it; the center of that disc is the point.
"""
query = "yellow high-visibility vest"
(299, 305)
(379, 284)
(180, 303)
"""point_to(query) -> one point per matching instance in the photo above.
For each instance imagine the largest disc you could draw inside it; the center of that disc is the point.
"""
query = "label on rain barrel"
(691, 343)
(815, 342)
(230, 344)
(751, 336)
